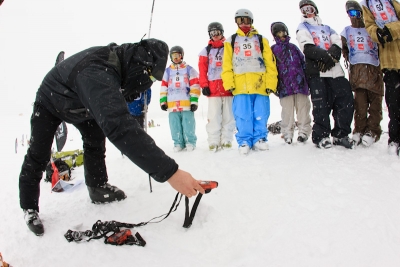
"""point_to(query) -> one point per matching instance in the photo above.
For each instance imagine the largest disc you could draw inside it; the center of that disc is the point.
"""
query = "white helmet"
(244, 13)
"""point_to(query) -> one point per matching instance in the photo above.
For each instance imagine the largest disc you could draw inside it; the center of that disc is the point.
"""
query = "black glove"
(388, 35)
(380, 33)
(269, 91)
(164, 107)
(335, 51)
(231, 90)
(206, 91)
(328, 62)
(193, 107)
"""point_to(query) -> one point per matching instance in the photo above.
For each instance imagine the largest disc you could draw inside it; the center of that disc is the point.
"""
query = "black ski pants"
(43, 127)
(392, 98)
(331, 95)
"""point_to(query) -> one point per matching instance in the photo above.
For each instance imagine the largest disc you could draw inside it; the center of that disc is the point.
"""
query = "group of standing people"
(91, 90)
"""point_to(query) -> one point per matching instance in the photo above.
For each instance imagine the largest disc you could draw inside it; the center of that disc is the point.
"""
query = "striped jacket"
(389, 55)
(180, 87)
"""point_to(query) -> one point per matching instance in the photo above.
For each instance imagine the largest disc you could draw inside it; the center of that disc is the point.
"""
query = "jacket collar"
(316, 21)
(252, 32)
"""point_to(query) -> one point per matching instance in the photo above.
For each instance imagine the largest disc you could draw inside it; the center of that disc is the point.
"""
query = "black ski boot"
(33, 221)
(345, 141)
(105, 194)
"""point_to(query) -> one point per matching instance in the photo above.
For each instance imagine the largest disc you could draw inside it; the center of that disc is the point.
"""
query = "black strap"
(189, 218)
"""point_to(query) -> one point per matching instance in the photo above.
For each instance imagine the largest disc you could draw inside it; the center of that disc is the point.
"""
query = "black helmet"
(308, 2)
(277, 27)
(176, 49)
(215, 26)
(353, 5)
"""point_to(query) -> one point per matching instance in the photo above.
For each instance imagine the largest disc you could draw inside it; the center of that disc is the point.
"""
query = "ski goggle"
(281, 34)
(244, 20)
(176, 55)
(354, 13)
(307, 10)
(213, 33)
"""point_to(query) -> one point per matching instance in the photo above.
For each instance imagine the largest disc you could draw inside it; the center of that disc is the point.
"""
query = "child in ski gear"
(365, 77)
(330, 90)
(90, 90)
(292, 85)
(221, 122)
(381, 18)
(137, 106)
(179, 95)
(249, 71)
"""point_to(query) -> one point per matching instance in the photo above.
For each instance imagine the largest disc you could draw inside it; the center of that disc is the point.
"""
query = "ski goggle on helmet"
(213, 33)
(354, 13)
(245, 20)
(308, 9)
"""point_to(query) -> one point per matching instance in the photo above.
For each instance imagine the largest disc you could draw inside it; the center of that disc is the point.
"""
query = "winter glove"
(164, 107)
(231, 90)
(206, 91)
(335, 52)
(388, 35)
(269, 91)
(380, 34)
(193, 107)
(328, 62)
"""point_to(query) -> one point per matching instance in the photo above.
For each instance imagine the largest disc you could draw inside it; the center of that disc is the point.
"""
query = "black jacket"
(94, 83)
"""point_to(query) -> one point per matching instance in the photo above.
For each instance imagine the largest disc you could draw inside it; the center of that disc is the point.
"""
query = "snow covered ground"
(294, 205)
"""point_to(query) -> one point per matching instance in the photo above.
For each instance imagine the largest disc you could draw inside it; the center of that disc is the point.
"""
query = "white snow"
(294, 205)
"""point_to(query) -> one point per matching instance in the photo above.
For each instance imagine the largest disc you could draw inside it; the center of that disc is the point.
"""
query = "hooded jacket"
(93, 85)
(314, 53)
(291, 65)
(210, 68)
(249, 82)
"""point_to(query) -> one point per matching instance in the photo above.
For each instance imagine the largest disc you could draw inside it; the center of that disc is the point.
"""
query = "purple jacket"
(291, 65)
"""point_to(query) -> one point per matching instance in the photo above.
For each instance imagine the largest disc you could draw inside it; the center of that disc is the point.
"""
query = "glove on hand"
(164, 107)
(193, 107)
(206, 91)
(335, 52)
(231, 90)
(380, 33)
(269, 91)
(388, 35)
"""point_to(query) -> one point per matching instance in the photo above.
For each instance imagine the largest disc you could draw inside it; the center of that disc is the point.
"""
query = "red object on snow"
(55, 177)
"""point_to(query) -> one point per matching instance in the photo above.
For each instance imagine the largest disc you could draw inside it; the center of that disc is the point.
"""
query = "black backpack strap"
(189, 218)
(208, 49)
(261, 42)
(233, 37)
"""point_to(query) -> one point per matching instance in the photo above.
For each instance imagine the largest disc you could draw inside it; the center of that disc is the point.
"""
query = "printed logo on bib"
(177, 84)
(327, 45)
(218, 64)
(247, 53)
(383, 16)
(360, 46)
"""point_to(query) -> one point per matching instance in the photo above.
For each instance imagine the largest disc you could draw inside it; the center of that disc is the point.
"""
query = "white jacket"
(304, 37)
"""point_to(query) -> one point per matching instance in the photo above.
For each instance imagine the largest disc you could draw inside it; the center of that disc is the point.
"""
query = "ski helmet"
(353, 5)
(215, 26)
(176, 49)
(277, 27)
(244, 13)
(308, 2)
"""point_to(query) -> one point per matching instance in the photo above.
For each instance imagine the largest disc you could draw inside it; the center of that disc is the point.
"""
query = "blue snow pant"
(251, 114)
(331, 95)
(183, 128)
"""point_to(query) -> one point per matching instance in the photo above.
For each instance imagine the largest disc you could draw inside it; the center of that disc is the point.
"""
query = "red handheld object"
(208, 185)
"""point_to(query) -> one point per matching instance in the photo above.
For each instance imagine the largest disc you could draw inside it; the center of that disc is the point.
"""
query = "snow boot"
(227, 144)
(345, 141)
(368, 139)
(357, 137)
(261, 145)
(325, 143)
(105, 194)
(302, 138)
(33, 222)
(190, 147)
(393, 148)
(177, 148)
(288, 140)
(244, 149)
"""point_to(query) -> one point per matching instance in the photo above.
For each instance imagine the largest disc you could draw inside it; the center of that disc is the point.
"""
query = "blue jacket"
(136, 106)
